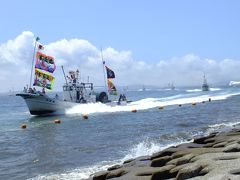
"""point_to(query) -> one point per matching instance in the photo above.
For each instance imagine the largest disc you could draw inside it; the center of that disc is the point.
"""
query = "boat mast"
(204, 79)
(104, 75)
(34, 52)
(66, 82)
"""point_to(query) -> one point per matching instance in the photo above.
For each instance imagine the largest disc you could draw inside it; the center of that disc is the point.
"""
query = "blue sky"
(145, 42)
(152, 30)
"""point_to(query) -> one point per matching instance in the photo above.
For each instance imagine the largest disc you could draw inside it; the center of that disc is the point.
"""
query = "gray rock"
(232, 148)
(189, 172)
(114, 167)
(182, 160)
(116, 173)
(163, 173)
(158, 162)
(166, 152)
(100, 175)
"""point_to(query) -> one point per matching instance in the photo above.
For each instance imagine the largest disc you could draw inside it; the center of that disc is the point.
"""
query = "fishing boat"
(74, 91)
(205, 86)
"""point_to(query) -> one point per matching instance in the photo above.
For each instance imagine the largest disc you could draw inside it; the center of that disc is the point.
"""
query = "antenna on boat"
(34, 51)
(66, 81)
(104, 75)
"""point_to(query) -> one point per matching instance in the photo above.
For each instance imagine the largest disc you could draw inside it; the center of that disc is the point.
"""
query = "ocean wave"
(146, 147)
(81, 173)
(221, 126)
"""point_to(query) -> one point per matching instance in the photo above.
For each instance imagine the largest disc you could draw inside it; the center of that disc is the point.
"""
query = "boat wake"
(145, 104)
(200, 90)
(194, 90)
(215, 89)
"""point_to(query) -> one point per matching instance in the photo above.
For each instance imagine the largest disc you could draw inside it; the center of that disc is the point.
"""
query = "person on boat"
(81, 100)
(24, 89)
(43, 91)
(30, 90)
(124, 97)
(120, 98)
(56, 96)
(34, 90)
(74, 81)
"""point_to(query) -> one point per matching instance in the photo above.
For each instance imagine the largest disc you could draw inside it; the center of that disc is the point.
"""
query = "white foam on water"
(142, 149)
(147, 147)
(146, 89)
(221, 126)
(215, 89)
(194, 90)
(199, 90)
(144, 104)
(78, 173)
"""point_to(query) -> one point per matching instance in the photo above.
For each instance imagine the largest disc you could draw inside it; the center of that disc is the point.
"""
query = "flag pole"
(104, 74)
(66, 82)
(34, 52)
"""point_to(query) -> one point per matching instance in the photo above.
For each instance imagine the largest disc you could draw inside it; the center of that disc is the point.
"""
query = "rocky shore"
(216, 156)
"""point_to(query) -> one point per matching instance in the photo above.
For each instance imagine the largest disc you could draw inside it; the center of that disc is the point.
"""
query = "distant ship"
(171, 86)
(205, 86)
(74, 91)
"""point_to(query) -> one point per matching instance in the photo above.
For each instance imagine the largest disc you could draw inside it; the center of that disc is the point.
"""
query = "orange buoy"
(57, 121)
(180, 105)
(160, 107)
(209, 99)
(193, 103)
(24, 126)
(134, 110)
(85, 116)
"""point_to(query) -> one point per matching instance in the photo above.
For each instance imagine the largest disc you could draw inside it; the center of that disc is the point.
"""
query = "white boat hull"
(44, 105)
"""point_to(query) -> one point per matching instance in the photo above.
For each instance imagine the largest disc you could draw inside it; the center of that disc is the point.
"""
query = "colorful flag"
(110, 73)
(111, 88)
(43, 79)
(45, 62)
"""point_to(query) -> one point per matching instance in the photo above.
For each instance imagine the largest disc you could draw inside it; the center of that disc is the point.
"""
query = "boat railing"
(78, 86)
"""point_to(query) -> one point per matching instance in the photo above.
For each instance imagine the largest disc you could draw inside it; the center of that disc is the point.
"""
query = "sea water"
(77, 148)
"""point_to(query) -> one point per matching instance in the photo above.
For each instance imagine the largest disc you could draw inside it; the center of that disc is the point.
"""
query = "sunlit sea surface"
(76, 148)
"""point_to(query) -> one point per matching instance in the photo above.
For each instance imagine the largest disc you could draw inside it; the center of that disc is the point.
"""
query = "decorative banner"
(43, 79)
(111, 88)
(45, 62)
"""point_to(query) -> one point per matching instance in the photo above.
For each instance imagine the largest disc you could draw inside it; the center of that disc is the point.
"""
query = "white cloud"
(16, 57)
